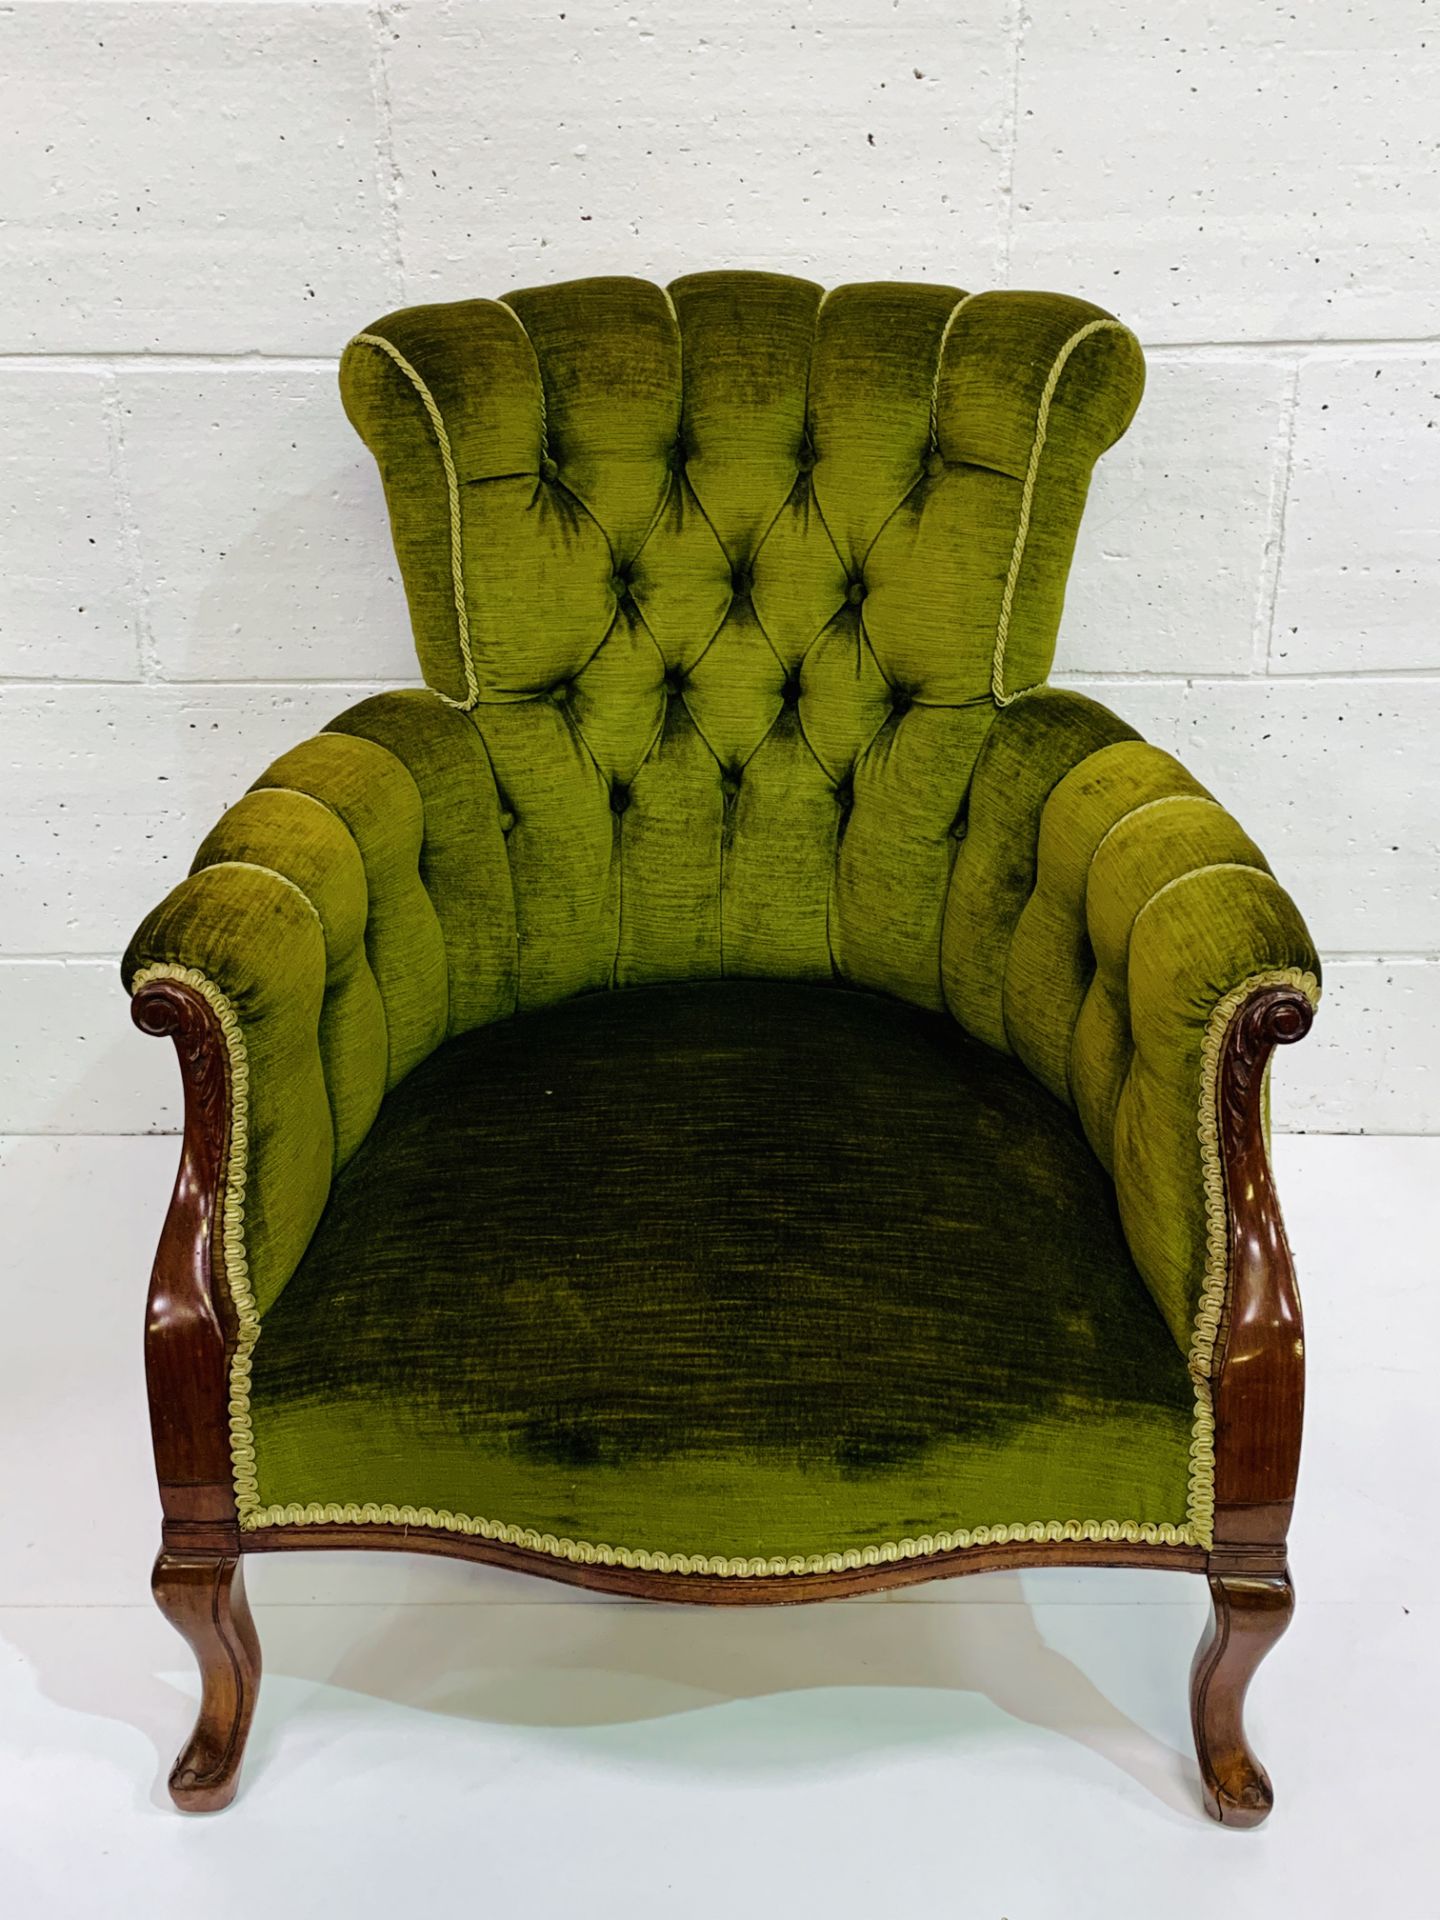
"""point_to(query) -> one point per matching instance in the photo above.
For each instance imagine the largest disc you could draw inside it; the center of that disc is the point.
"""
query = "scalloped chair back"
(730, 579)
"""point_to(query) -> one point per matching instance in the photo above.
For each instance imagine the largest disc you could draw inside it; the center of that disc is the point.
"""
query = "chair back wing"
(730, 578)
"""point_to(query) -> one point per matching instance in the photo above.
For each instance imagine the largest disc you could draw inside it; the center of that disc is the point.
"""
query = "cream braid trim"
(452, 484)
(233, 1259)
(734, 1567)
(1200, 1509)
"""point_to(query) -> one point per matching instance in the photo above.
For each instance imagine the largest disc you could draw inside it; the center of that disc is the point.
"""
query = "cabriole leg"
(202, 1595)
(1251, 1613)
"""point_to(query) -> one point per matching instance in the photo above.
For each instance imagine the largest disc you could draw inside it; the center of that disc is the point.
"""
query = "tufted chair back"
(730, 579)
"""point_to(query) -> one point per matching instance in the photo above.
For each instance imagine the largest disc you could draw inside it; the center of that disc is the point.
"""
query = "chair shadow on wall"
(820, 1688)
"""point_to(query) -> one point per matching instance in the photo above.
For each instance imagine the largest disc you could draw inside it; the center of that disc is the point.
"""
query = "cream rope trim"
(1200, 1508)
(271, 873)
(950, 319)
(233, 1258)
(1022, 530)
(1196, 873)
(299, 793)
(457, 567)
(1144, 806)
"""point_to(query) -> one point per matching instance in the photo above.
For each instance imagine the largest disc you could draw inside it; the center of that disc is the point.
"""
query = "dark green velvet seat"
(724, 1078)
(751, 1269)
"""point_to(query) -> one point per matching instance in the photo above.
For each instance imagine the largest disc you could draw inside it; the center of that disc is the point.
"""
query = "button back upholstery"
(776, 548)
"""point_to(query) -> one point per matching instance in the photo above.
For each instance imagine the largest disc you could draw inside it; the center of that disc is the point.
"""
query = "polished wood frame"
(1257, 1386)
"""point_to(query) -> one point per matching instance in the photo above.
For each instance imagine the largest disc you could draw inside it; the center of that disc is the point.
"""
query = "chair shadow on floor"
(746, 1693)
(817, 1687)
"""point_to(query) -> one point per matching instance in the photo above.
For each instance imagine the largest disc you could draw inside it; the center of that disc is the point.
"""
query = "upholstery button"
(677, 457)
(805, 458)
(675, 682)
(900, 701)
(845, 794)
(934, 464)
(619, 797)
(507, 821)
(548, 470)
(790, 692)
(560, 692)
(740, 583)
(730, 784)
(619, 585)
(855, 592)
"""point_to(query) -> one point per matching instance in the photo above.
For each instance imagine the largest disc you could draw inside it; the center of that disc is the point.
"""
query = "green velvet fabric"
(1103, 905)
(352, 907)
(460, 859)
(737, 1268)
(735, 603)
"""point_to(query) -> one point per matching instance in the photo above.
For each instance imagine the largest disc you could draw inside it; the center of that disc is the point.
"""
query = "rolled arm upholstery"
(345, 915)
(1105, 920)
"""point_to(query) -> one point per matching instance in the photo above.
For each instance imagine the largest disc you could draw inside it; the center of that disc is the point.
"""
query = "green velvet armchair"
(735, 1091)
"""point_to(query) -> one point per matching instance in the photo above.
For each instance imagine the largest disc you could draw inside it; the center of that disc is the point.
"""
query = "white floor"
(435, 1739)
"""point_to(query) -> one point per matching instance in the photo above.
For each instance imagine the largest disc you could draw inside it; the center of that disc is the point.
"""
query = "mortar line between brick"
(1018, 23)
(146, 661)
(1074, 677)
(142, 361)
(361, 689)
(389, 183)
(1140, 677)
(1318, 344)
(95, 359)
(1268, 596)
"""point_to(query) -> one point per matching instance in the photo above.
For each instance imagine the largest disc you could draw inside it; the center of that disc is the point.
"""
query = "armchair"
(736, 1091)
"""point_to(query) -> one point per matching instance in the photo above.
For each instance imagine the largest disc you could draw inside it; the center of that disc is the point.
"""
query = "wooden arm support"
(1258, 1381)
(189, 1320)
(1258, 1389)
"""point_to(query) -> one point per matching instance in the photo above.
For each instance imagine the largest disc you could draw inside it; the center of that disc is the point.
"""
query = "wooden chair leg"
(1251, 1613)
(202, 1595)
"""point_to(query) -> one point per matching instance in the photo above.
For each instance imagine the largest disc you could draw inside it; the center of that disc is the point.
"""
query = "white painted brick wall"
(107, 792)
(207, 176)
(200, 202)
(69, 611)
(263, 541)
(1171, 571)
(1361, 586)
(1232, 172)
(864, 140)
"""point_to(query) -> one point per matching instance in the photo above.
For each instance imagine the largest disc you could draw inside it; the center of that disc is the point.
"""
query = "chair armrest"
(344, 916)
(1107, 923)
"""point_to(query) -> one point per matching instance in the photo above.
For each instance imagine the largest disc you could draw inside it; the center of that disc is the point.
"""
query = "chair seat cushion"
(745, 1271)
